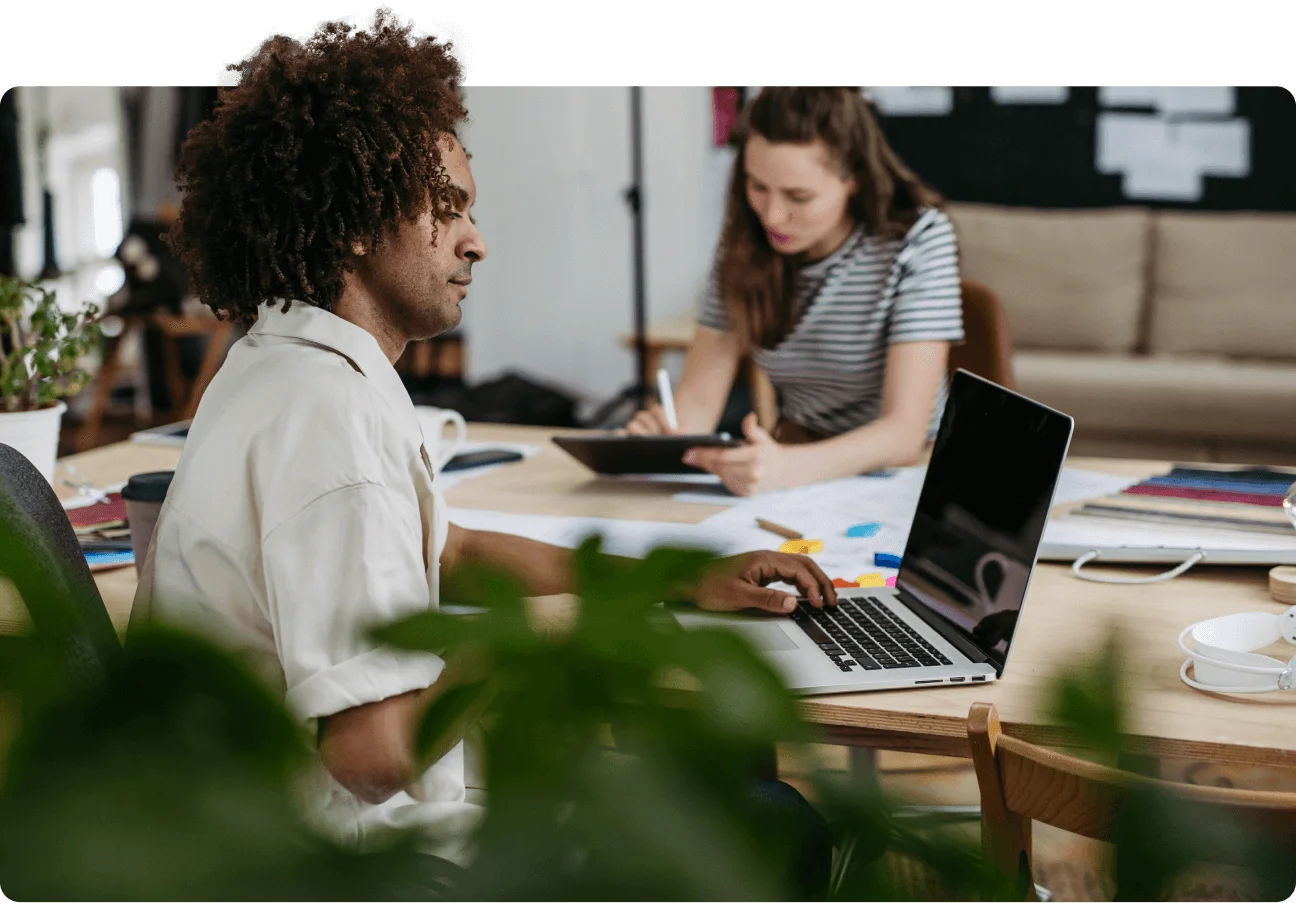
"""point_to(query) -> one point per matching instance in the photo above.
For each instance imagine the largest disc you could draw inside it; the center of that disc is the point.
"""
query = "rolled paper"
(870, 580)
(862, 531)
(886, 560)
(802, 546)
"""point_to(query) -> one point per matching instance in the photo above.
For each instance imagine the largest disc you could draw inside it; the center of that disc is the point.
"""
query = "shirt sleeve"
(350, 560)
(713, 314)
(928, 302)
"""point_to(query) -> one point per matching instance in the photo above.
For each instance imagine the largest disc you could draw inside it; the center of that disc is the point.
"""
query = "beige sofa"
(1165, 334)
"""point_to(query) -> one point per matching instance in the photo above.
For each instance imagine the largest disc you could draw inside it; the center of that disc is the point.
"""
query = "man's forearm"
(542, 568)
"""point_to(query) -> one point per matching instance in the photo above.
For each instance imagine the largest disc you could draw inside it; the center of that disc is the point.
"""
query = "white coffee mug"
(1013, 584)
(441, 449)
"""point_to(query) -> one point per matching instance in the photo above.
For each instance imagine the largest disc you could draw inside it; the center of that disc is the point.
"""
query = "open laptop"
(966, 566)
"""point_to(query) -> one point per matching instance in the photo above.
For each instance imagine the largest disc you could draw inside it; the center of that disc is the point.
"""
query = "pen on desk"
(667, 400)
(775, 528)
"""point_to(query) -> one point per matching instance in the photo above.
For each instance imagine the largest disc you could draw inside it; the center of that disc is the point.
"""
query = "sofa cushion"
(1067, 278)
(1224, 283)
(1202, 398)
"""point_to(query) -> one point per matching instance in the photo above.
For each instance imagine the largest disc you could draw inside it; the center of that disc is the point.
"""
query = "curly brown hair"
(757, 283)
(322, 146)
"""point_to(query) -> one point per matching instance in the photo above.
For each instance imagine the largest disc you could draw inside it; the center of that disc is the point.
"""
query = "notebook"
(98, 517)
(1247, 499)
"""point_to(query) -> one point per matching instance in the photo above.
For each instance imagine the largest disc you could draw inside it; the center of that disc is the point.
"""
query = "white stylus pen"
(667, 400)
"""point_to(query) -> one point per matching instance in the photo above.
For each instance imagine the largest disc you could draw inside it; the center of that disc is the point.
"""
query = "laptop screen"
(977, 529)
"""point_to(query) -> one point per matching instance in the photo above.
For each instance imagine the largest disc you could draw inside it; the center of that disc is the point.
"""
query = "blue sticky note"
(884, 560)
(862, 531)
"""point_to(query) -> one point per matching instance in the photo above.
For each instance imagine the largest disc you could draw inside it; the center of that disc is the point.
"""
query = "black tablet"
(619, 455)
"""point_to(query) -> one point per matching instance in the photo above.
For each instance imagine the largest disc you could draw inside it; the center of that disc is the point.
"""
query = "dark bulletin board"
(1044, 155)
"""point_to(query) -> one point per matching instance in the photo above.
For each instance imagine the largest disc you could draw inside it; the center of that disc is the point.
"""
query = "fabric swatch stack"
(1236, 498)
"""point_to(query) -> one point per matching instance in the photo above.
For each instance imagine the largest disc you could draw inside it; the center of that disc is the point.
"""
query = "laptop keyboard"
(862, 633)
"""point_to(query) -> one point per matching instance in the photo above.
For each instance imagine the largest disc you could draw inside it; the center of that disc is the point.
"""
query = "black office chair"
(49, 569)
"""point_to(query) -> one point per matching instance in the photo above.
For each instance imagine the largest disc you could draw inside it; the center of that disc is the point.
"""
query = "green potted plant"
(40, 349)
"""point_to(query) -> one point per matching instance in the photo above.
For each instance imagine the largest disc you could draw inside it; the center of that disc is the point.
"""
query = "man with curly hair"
(327, 207)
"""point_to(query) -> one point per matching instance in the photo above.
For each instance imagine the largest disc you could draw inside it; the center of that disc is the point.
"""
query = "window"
(106, 210)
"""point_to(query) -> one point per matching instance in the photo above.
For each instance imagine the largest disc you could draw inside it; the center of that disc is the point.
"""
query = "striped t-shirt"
(856, 302)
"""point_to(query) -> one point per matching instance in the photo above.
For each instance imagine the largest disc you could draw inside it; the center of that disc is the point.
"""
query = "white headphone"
(1222, 656)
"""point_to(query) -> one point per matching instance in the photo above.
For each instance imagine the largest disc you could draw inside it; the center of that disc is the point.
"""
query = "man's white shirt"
(302, 511)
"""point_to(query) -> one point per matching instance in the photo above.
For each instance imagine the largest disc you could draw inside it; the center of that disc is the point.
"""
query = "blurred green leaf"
(449, 717)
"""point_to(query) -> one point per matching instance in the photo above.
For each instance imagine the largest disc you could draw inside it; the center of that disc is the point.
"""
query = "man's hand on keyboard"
(742, 582)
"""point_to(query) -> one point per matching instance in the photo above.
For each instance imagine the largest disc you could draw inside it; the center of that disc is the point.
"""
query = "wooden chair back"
(987, 347)
(1021, 782)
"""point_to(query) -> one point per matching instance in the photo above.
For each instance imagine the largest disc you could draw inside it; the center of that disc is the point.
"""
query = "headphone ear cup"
(1228, 641)
(1287, 625)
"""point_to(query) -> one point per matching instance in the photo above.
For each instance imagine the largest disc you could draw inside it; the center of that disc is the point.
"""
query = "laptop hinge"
(938, 624)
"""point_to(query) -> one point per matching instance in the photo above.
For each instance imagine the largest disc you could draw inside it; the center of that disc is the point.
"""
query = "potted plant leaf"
(40, 349)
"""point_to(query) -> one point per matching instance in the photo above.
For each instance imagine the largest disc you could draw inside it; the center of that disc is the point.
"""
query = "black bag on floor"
(509, 399)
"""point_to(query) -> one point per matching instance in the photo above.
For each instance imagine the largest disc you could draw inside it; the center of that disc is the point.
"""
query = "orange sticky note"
(874, 579)
(843, 584)
(802, 546)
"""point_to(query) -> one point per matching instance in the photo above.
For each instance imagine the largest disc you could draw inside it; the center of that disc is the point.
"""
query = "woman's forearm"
(708, 375)
(886, 442)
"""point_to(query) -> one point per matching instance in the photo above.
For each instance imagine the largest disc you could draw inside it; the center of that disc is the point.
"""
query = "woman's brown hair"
(756, 283)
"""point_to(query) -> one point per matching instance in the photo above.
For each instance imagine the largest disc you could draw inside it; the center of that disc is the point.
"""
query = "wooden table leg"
(88, 435)
(652, 363)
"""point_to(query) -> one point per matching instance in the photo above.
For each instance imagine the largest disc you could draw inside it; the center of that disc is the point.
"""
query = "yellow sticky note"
(874, 579)
(802, 546)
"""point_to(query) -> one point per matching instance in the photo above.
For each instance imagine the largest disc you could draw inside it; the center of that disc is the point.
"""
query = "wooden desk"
(1064, 621)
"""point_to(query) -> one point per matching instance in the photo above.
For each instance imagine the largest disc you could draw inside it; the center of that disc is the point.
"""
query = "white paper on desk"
(1076, 485)
(717, 494)
(824, 511)
(85, 501)
(632, 538)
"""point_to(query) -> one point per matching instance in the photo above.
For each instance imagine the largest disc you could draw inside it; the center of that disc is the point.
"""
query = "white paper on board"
(1123, 96)
(1126, 141)
(1173, 102)
(920, 101)
(1014, 94)
(1218, 148)
(1205, 101)
(1173, 179)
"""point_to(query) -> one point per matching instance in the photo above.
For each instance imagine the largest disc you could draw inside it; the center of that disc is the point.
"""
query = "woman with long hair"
(837, 271)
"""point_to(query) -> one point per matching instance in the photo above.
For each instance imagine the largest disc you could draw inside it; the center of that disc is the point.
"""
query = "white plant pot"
(35, 434)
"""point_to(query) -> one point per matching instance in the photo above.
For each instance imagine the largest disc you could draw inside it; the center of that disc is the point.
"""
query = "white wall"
(555, 295)
(85, 133)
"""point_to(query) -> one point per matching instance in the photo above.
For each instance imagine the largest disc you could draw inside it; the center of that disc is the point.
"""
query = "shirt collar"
(308, 323)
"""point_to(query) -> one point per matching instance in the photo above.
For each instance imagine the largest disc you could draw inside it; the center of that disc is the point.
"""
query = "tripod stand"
(637, 391)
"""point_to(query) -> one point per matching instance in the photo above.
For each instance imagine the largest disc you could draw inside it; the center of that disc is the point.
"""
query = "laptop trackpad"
(766, 637)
